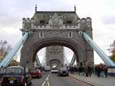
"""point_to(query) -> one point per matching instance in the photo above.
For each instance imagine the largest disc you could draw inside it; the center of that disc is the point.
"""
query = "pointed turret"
(35, 8)
(75, 8)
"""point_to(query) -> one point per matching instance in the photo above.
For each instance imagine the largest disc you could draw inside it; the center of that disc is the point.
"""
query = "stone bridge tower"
(52, 28)
(54, 56)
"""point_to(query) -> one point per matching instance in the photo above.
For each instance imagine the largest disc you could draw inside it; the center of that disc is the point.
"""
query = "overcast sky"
(102, 13)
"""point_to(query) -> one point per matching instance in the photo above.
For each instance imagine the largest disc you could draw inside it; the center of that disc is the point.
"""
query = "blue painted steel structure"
(99, 51)
(38, 61)
(72, 60)
(11, 54)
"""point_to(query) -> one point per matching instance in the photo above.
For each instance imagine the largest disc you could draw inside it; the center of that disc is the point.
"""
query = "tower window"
(70, 34)
(40, 34)
(42, 22)
(68, 22)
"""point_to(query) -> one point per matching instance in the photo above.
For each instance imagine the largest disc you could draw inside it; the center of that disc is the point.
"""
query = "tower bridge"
(54, 30)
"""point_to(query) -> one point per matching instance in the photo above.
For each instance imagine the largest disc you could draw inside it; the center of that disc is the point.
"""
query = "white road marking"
(46, 81)
(43, 83)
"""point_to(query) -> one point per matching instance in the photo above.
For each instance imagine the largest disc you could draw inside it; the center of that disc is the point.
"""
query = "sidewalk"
(95, 81)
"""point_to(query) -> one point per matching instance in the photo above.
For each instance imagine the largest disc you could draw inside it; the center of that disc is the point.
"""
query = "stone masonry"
(51, 28)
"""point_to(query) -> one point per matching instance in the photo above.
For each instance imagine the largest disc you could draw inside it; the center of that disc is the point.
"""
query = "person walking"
(105, 71)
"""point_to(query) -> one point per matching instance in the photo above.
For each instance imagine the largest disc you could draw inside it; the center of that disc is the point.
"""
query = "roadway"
(50, 79)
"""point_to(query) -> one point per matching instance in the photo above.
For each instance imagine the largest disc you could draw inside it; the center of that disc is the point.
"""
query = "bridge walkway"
(95, 81)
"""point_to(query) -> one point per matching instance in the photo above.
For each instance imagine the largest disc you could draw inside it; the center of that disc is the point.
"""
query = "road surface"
(50, 79)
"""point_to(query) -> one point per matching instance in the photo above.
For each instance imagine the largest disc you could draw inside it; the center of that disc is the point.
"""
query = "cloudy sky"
(102, 13)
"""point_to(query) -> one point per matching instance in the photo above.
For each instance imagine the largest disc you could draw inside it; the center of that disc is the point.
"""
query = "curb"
(82, 81)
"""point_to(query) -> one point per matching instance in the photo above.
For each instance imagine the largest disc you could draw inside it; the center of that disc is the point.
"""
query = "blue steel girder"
(99, 51)
(72, 60)
(7, 59)
(38, 61)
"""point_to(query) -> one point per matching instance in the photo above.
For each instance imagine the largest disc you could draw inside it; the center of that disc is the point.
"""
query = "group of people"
(101, 70)
(85, 70)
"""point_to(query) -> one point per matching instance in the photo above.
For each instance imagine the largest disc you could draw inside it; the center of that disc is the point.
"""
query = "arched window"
(70, 34)
(41, 35)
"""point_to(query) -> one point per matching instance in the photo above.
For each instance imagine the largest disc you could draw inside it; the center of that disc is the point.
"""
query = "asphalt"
(94, 80)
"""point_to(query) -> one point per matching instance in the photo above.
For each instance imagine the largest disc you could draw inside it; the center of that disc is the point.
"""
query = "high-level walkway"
(95, 81)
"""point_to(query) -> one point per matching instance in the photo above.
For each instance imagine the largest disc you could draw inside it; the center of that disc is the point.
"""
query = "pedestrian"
(98, 70)
(86, 71)
(89, 70)
(105, 71)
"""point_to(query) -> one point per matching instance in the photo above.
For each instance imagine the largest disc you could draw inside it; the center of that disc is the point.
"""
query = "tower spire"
(75, 8)
(36, 8)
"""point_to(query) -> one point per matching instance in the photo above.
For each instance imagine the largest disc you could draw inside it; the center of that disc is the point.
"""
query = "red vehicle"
(36, 73)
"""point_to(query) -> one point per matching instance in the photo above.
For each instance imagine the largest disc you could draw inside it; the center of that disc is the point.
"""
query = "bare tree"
(112, 50)
(4, 48)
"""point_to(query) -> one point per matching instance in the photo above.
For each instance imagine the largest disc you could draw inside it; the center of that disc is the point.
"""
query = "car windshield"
(14, 71)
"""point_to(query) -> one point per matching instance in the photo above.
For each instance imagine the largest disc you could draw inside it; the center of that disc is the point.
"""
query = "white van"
(47, 68)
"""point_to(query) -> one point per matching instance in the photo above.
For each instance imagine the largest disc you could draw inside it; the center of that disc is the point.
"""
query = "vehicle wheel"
(67, 74)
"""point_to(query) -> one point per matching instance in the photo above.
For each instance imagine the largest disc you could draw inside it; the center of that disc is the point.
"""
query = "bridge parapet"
(83, 23)
(63, 27)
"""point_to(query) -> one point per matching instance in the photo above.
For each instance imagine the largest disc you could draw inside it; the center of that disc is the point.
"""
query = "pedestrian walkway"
(96, 81)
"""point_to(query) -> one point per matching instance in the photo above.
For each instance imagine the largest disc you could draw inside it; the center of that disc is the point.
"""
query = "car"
(47, 68)
(63, 71)
(16, 76)
(2, 72)
(54, 70)
(36, 73)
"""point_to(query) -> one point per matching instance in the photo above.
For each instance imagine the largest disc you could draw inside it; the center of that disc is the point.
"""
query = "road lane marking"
(47, 78)
(43, 83)
(46, 81)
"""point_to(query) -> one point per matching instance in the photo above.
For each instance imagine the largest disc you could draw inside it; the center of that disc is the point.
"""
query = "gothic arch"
(37, 45)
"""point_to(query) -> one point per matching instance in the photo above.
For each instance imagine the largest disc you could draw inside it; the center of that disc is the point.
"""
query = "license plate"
(12, 78)
(11, 81)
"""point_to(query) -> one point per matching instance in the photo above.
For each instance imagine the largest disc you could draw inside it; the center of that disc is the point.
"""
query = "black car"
(16, 76)
(63, 71)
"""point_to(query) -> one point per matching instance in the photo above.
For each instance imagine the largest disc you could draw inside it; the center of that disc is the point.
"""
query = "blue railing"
(111, 71)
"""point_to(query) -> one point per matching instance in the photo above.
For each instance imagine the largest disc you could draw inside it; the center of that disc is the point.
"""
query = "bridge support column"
(26, 59)
(27, 64)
